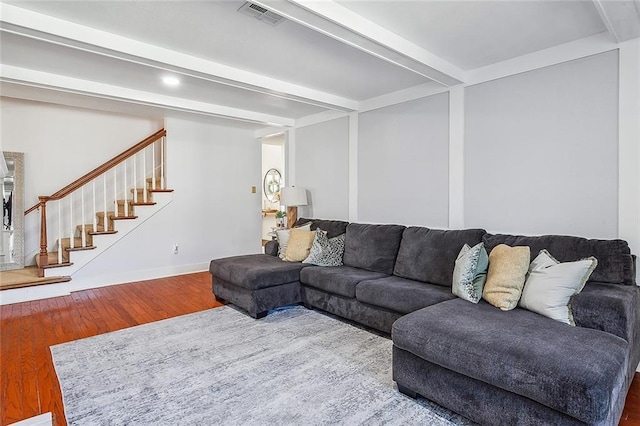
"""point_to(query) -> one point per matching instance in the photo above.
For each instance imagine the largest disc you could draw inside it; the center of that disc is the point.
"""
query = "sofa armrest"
(608, 307)
(271, 248)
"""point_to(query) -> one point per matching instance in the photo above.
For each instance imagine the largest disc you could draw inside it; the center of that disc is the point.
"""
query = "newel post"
(43, 257)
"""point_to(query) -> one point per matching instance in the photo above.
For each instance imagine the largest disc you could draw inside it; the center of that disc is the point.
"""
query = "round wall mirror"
(272, 183)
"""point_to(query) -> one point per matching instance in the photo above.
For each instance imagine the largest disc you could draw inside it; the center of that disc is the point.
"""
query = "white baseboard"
(45, 419)
(27, 294)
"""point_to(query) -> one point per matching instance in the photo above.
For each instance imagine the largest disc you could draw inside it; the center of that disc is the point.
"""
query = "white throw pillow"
(283, 236)
(550, 285)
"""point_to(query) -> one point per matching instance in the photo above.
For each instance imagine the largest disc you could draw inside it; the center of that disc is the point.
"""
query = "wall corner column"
(629, 145)
(353, 167)
(456, 157)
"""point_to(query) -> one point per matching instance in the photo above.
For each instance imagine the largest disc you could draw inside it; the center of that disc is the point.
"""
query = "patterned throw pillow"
(508, 268)
(551, 284)
(470, 272)
(299, 245)
(326, 251)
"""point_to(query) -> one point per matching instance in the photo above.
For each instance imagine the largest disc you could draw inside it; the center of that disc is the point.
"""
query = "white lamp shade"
(293, 196)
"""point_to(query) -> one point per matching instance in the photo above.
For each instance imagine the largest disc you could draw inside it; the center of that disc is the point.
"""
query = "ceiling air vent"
(260, 13)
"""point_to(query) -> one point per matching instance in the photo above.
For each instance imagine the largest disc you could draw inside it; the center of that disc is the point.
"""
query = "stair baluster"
(83, 237)
(115, 192)
(162, 186)
(135, 179)
(104, 196)
(153, 162)
(71, 233)
(94, 216)
(59, 231)
(144, 173)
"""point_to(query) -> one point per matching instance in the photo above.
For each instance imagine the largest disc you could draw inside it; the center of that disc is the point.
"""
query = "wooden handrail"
(100, 170)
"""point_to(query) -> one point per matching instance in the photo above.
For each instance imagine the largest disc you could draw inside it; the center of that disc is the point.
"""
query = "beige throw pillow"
(299, 245)
(508, 268)
(283, 236)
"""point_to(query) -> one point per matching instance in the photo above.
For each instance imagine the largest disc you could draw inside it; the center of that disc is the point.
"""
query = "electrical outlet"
(175, 248)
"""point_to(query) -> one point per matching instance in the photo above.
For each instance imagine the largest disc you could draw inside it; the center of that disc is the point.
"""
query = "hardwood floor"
(29, 385)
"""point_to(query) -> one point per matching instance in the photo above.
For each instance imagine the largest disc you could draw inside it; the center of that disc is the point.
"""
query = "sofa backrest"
(429, 255)
(372, 247)
(616, 265)
(333, 227)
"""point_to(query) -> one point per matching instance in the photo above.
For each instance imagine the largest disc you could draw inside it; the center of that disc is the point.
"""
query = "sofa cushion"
(333, 227)
(372, 247)
(577, 371)
(400, 294)
(341, 280)
(615, 263)
(429, 255)
(255, 271)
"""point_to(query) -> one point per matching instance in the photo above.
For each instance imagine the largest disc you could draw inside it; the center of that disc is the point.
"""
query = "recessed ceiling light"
(170, 81)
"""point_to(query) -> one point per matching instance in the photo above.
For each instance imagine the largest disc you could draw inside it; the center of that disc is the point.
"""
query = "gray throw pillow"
(551, 284)
(470, 272)
(326, 251)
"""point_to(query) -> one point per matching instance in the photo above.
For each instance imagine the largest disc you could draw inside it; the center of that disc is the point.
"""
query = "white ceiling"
(328, 55)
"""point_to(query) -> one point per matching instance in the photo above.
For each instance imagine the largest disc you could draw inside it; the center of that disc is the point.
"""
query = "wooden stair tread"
(122, 217)
(27, 277)
(57, 265)
(102, 232)
(144, 204)
(80, 248)
(161, 190)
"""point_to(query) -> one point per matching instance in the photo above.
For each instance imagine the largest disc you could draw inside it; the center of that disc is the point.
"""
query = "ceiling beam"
(47, 28)
(342, 24)
(622, 18)
(38, 79)
(570, 51)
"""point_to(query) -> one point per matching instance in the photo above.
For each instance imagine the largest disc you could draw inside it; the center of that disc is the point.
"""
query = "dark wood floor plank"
(28, 329)
(10, 359)
(30, 400)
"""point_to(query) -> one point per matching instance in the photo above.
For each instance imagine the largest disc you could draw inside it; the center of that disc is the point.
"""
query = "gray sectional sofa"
(491, 366)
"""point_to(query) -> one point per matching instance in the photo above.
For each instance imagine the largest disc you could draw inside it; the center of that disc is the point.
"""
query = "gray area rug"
(219, 366)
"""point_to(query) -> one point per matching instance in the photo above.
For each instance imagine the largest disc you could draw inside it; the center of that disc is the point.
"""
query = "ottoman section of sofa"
(576, 371)
(256, 283)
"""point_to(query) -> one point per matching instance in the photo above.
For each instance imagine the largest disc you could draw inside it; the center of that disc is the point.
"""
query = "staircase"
(93, 213)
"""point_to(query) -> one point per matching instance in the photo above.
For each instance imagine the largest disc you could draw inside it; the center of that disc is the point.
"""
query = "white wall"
(322, 167)
(403, 163)
(213, 214)
(541, 152)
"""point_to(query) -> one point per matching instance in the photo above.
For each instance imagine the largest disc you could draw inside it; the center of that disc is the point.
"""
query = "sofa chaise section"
(256, 283)
(518, 367)
(577, 371)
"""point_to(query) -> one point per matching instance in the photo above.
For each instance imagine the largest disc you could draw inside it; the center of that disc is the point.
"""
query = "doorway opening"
(273, 178)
